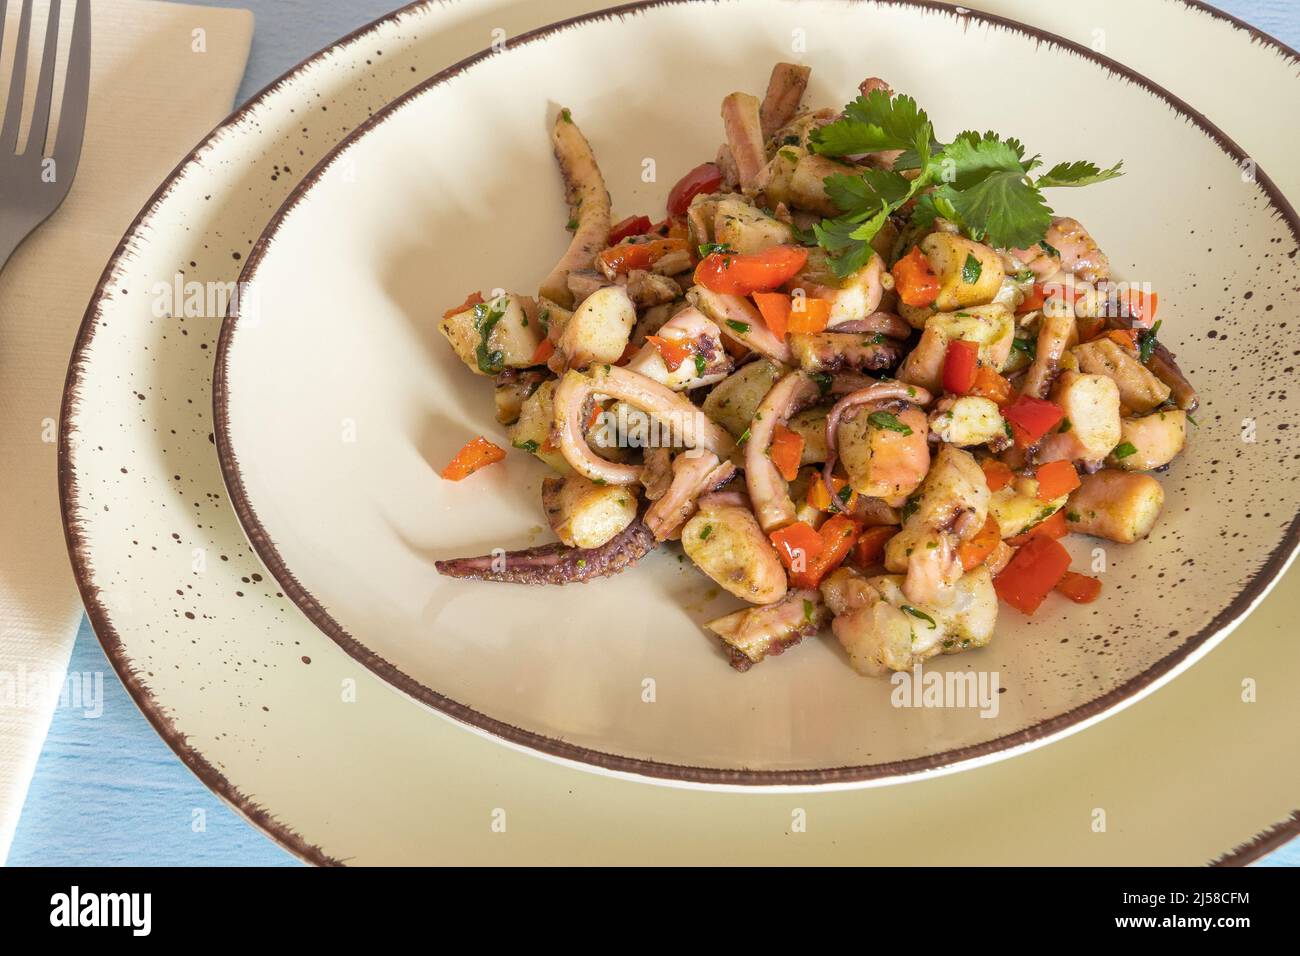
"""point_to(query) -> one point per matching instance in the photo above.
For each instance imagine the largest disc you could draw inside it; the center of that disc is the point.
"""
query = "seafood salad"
(865, 377)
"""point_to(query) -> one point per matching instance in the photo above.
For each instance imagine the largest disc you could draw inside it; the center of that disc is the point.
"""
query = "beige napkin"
(162, 75)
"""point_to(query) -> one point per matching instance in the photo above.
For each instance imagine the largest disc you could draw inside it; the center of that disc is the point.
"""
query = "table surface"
(107, 790)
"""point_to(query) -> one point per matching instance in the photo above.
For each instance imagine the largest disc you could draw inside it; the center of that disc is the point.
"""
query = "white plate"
(230, 693)
(337, 399)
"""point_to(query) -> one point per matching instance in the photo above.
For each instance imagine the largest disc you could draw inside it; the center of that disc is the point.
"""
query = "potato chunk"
(726, 543)
(598, 332)
(735, 399)
(1017, 507)
(810, 425)
(882, 631)
(1117, 505)
(969, 272)
(584, 514)
(1139, 390)
(1091, 405)
(969, 420)
(495, 335)
(991, 327)
(746, 229)
(532, 432)
(1156, 440)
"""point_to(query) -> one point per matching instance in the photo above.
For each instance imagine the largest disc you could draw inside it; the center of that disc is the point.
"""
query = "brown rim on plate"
(267, 550)
(78, 548)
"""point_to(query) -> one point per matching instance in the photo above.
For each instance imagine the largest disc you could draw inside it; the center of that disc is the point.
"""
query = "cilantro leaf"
(1004, 210)
(1078, 173)
(865, 193)
(872, 123)
(970, 159)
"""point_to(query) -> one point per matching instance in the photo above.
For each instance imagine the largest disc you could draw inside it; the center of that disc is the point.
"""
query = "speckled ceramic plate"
(337, 400)
(301, 739)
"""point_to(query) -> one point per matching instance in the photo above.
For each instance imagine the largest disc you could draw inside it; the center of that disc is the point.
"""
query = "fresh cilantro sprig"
(982, 183)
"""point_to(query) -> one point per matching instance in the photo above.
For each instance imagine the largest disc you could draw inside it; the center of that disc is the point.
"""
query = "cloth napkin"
(162, 75)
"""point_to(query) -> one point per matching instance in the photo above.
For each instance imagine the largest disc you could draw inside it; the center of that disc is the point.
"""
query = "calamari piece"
(785, 89)
(869, 398)
(881, 323)
(740, 320)
(707, 363)
(836, 351)
(754, 633)
(951, 507)
(1056, 327)
(584, 189)
(694, 474)
(556, 563)
(767, 489)
(684, 421)
(744, 132)
(1080, 254)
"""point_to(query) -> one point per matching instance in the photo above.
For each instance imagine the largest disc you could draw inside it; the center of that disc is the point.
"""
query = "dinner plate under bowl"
(337, 400)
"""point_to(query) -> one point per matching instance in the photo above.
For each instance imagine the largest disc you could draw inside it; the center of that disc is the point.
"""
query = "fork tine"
(45, 87)
(17, 83)
(76, 97)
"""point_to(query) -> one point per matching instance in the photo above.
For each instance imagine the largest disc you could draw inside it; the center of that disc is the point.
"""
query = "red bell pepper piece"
(734, 274)
(631, 226)
(1032, 418)
(1031, 574)
(915, 281)
(961, 366)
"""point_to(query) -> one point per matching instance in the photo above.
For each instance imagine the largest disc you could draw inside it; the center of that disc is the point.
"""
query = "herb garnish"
(1123, 450)
(528, 445)
(970, 270)
(980, 183)
(740, 327)
(1147, 342)
(920, 614)
(486, 316)
(890, 421)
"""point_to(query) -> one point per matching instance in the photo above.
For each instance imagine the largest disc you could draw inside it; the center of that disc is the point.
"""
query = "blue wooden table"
(108, 790)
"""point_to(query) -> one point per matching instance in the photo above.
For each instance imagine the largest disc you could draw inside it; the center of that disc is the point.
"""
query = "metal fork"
(35, 182)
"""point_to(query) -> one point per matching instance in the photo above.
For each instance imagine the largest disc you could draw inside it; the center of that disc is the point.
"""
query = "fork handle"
(10, 239)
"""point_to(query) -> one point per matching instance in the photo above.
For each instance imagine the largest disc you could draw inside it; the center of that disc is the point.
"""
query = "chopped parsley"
(824, 381)
(807, 611)
(486, 316)
(1123, 450)
(1050, 250)
(721, 248)
(743, 438)
(566, 115)
(888, 420)
(527, 445)
(970, 270)
(701, 365)
(705, 532)
(1028, 346)
(920, 615)
(741, 328)
(1147, 342)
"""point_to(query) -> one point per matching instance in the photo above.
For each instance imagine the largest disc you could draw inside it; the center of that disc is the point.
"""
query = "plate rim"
(79, 546)
(1003, 747)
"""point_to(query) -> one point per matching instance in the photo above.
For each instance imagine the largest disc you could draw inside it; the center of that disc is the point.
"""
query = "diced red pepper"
(545, 349)
(704, 178)
(974, 551)
(1032, 573)
(1056, 478)
(838, 536)
(1090, 328)
(477, 453)
(1033, 300)
(735, 274)
(808, 314)
(996, 474)
(961, 366)
(1079, 588)
(785, 451)
(1032, 418)
(471, 300)
(989, 384)
(797, 544)
(674, 351)
(627, 256)
(775, 309)
(1125, 338)
(915, 281)
(626, 228)
(870, 549)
